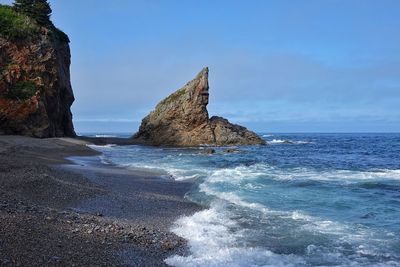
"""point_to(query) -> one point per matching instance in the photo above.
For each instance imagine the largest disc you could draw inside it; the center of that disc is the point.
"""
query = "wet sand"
(79, 212)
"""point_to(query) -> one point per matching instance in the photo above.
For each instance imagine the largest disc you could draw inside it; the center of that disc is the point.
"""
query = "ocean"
(301, 200)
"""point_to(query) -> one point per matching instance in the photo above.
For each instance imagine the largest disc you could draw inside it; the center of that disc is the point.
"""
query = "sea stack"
(182, 119)
(35, 87)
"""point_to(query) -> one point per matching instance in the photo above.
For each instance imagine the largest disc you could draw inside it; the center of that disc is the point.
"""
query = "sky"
(275, 65)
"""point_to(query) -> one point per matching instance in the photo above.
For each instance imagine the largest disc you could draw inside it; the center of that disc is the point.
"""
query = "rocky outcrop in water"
(35, 87)
(182, 119)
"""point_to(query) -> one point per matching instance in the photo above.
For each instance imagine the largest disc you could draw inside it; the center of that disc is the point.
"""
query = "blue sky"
(275, 66)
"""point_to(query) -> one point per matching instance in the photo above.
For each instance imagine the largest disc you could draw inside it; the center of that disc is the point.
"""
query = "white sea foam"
(233, 198)
(214, 237)
(315, 224)
(302, 142)
(101, 146)
(277, 141)
(311, 223)
(105, 135)
(238, 173)
(104, 160)
(280, 141)
(341, 176)
(176, 173)
(345, 234)
(366, 242)
(215, 240)
(267, 135)
(179, 170)
(265, 171)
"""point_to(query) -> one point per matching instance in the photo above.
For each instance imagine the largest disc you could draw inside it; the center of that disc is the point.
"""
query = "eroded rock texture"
(182, 119)
(35, 87)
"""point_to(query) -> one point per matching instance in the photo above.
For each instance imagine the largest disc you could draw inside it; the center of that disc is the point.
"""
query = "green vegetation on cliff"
(25, 18)
(14, 25)
(173, 97)
(170, 99)
(39, 10)
(21, 91)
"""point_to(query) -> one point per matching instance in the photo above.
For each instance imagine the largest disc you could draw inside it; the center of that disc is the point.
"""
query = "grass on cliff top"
(17, 26)
(14, 25)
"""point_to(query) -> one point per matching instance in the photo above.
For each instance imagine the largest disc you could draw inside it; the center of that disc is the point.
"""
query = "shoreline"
(56, 210)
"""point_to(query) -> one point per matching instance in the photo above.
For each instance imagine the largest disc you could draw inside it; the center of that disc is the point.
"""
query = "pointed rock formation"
(182, 119)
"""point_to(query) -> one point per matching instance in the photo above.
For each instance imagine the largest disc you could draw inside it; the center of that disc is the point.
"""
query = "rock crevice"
(182, 119)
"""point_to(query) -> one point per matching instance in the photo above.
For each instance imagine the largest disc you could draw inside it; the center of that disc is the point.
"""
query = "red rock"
(44, 61)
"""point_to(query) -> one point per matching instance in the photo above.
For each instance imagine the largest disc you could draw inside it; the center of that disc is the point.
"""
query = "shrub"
(39, 10)
(14, 25)
(21, 91)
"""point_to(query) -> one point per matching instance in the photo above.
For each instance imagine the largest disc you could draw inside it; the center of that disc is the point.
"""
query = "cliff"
(182, 119)
(35, 87)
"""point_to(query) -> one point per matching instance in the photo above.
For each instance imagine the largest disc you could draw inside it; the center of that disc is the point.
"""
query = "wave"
(338, 176)
(266, 171)
(258, 173)
(99, 147)
(105, 135)
(267, 135)
(254, 174)
(180, 167)
(215, 240)
(225, 186)
(166, 170)
(290, 142)
(232, 198)
(104, 160)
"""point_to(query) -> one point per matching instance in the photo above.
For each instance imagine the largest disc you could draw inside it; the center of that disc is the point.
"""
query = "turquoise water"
(302, 200)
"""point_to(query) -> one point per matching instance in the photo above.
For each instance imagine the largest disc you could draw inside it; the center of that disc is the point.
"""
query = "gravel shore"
(79, 212)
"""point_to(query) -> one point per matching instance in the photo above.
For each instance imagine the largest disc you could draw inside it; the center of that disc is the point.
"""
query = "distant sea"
(302, 200)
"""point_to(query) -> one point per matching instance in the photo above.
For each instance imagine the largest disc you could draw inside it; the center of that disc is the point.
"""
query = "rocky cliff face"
(182, 119)
(35, 88)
